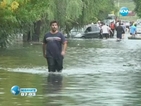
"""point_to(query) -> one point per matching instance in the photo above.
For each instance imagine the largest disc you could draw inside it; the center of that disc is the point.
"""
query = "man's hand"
(63, 53)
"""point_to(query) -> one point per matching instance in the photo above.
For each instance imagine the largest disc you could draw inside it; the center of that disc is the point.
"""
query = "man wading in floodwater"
(54, 48)
(120, 31)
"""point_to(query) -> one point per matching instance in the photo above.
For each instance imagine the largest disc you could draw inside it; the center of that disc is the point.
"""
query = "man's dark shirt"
(54, 44)
(120, 30)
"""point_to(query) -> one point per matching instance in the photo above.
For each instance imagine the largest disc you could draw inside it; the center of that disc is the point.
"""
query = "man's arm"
(109, 29)
(44, 46)
(123, 31)
(64, 46)
(44, 50)
(135, 30)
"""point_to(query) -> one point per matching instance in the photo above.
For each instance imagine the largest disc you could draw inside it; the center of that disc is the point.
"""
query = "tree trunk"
(36, 34)
(27, 37)
(24, 38)
(67, 31)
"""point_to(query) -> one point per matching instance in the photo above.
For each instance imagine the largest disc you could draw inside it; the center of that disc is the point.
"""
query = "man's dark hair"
(54, 22)
(135, 24)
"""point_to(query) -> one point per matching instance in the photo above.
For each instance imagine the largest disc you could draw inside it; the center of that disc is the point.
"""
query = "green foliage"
(138, 7)
(74, 9)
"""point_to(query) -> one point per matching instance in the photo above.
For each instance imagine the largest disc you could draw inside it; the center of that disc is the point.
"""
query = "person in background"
(112, 26)
(124, 27)
(120, 31)
(105, 31)
(54, 48)
(99, 24)
(117, 23)
(133, 30)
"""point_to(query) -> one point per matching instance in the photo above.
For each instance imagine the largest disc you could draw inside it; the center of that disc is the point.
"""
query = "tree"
(138, 7)
(19, 16)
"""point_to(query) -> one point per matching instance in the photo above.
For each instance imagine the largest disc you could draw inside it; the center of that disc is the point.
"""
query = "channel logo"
(124, 11)
(15, 90)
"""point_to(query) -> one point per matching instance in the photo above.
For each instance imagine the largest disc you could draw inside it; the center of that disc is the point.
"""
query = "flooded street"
(96, 73)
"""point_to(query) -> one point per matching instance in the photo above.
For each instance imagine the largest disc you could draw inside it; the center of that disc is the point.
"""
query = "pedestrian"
(120, 31)
(133, 30)
(54, 48)
(99, 24)
(117, 23)
(112, 26)
(105, 31)
(124, 27)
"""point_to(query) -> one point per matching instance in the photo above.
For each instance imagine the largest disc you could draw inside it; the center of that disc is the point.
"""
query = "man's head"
(54, 26)
(135, 25)
(98, 22)
(103, 23)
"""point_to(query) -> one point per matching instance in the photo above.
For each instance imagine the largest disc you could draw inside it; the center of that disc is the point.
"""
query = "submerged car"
(76, 32)
(91, 31)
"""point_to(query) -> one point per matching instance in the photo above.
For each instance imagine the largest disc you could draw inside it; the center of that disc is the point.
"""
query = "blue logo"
(124, 11)
(15, 90)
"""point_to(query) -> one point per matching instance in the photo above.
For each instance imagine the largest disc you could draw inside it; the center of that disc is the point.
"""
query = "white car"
(79, 35)
(139, 28)
(76, 33)
(138, 21)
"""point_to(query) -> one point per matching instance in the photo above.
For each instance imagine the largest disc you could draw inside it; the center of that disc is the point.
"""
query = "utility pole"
(118, 6)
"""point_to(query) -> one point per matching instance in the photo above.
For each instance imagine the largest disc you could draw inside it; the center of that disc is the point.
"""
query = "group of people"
(109, 31)
(120, 28)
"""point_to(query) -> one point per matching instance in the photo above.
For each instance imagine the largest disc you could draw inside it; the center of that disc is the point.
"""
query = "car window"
(89, 29)
(95, 28)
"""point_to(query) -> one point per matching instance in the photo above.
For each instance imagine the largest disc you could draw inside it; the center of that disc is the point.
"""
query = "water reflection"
(54, 82)
(52, 89)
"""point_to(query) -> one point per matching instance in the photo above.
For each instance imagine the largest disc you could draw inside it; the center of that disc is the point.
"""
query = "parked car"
(139, 28)
(91, 31)
(138, 21)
